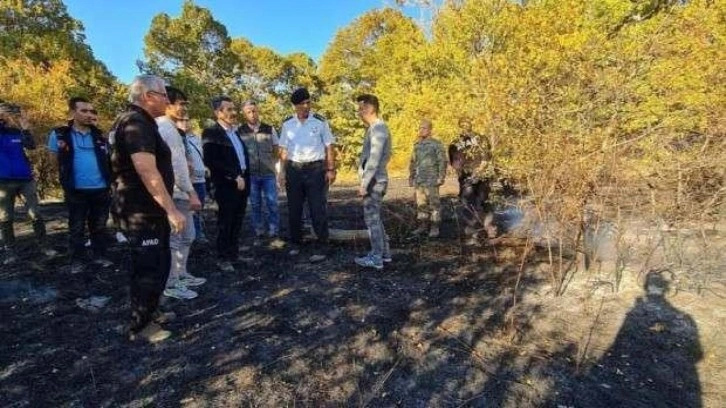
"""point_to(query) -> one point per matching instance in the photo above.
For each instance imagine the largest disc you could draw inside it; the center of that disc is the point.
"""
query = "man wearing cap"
(84, 169)
(308, 157)
(16, 178)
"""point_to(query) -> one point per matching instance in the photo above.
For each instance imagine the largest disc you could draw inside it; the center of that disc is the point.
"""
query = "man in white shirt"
(184, 196)
(308, 157)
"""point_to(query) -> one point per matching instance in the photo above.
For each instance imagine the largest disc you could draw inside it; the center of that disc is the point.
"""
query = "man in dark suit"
(226, 157)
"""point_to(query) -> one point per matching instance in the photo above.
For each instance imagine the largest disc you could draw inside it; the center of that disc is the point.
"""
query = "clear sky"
(115, 29)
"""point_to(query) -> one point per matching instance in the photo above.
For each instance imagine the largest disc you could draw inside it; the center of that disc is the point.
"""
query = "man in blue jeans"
(262, 145)
(84, 169)
(198, 174)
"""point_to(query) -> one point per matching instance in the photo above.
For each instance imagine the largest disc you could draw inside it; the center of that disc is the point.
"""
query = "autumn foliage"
(577, 97)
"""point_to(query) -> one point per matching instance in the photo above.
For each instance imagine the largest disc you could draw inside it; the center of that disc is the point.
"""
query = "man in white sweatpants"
(185, 198)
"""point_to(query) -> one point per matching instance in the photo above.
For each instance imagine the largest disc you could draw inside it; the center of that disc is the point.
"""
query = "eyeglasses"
(163, 95)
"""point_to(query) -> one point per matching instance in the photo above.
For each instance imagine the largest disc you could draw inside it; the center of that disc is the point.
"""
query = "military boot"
(422, 228)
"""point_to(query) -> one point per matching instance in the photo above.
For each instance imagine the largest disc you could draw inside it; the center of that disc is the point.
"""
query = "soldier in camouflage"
(470, 156)
(427, 171)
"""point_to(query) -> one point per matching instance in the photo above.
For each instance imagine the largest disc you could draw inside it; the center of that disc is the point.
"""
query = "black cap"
(300, 95)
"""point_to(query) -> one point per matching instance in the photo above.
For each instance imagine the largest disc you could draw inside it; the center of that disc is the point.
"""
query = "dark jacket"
(65, 155)
(14, 163)
(220, 156)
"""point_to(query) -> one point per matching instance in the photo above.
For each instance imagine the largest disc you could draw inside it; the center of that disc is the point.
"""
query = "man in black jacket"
(226, 157)
(84, 168)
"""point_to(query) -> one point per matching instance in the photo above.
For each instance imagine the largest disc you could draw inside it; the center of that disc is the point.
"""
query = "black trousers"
(306, 182)
(88, 207)
(148, 259)
(232, 205)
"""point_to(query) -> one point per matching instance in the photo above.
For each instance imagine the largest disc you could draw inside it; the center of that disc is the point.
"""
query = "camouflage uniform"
(472, 154)
(427, 171)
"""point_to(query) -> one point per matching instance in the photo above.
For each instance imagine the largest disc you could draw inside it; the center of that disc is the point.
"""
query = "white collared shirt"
(237, 145)
(306, 141)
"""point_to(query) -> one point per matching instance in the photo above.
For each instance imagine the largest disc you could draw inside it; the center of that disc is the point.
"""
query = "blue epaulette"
(319, 117)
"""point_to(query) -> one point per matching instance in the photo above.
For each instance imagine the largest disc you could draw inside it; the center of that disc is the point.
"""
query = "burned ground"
(443, 325)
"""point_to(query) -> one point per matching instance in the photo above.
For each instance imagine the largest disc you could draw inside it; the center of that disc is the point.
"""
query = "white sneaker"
(179, 291)
(369, 261)
(317, 258)
(49, 252)
(188, 279)
(103, 262)
(225, 266)
(386, 258)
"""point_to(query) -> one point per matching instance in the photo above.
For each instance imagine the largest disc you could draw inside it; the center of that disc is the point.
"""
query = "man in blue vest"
(84, 170)
(16, 178)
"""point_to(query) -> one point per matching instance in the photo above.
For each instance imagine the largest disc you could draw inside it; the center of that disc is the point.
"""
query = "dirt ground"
(444, 325)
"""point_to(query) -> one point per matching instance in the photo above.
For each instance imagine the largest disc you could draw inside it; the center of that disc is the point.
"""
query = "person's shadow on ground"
(651, 363)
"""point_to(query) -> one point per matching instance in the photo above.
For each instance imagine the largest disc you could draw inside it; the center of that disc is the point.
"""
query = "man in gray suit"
(374, 180)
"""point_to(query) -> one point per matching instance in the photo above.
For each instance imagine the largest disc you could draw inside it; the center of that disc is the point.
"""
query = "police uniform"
(305, 143)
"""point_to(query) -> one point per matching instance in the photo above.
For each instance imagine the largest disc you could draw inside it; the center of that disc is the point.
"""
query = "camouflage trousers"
(372, 215)
(428, 204)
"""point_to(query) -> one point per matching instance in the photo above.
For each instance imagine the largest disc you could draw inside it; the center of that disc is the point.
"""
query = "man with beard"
(226, 157)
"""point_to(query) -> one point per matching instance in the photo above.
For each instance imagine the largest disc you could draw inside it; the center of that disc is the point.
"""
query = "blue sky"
(115, 30)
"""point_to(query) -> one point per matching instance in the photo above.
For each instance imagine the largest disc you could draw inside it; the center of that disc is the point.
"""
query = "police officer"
(308, 156)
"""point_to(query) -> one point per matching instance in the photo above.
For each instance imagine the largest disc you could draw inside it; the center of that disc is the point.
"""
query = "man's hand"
(330, 176)
(362, 192)
(23, 121)
(177, 220)
(194, 203)
(240, 183)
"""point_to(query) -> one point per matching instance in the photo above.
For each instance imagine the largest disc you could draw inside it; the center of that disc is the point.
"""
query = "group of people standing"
(149, 172)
